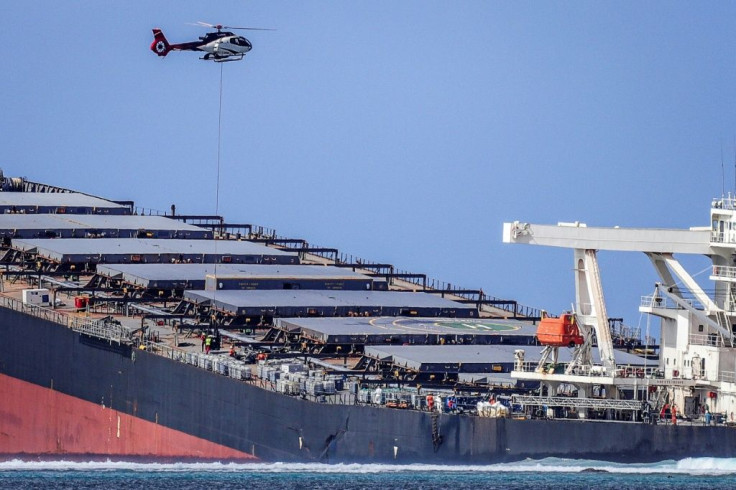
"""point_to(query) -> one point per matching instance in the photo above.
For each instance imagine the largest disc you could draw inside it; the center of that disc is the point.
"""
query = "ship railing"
(552, 368)
(628, 371)
(163, 350)
(112, 332)
(710, 339)
(526, 366)
(654, 301)
(722, 237)
(724, 272)
(34, 310)
(96, 328)
(724, 202)
(222, 230)
(259, 231)
(328, 398)
(167, 351)
(620, 371)
(215, 363)
(246, 231)
(577, 403)
(141, 211)
(692, 373)
(718, 237)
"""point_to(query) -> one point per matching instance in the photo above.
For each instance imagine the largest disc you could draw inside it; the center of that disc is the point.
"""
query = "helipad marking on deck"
(479, 326)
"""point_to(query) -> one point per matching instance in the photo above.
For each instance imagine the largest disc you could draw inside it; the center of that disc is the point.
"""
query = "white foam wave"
(692, 466)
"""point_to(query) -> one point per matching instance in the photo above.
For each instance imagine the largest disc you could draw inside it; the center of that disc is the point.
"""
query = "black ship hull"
(257, 423)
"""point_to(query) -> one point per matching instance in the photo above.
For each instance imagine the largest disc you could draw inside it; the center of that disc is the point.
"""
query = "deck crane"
(697, 350)
(590, 314)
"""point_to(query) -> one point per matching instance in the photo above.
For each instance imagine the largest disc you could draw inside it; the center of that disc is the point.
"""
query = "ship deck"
(163, 285)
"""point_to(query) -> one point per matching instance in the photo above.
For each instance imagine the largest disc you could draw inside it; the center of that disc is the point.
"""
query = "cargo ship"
(155, 337)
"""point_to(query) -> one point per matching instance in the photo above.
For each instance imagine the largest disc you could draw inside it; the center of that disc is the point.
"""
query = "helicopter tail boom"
(160, 45)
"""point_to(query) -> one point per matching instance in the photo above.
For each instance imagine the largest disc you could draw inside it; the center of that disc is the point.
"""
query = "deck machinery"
(696, 369)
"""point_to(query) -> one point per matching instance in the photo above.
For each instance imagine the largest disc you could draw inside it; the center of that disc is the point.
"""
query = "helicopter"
(218, 46)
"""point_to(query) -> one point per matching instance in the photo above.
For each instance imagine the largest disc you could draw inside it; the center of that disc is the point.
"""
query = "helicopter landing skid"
(224, 59)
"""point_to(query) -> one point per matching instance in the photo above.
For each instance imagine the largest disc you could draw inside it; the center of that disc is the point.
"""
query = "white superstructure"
(696, 370)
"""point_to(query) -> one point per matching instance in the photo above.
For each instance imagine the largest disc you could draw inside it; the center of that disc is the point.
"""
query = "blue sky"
(402, 132)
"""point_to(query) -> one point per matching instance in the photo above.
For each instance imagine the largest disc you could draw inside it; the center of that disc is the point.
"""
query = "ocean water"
(565, 474)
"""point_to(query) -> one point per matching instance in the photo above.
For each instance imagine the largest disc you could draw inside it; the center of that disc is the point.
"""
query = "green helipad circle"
(478, 325)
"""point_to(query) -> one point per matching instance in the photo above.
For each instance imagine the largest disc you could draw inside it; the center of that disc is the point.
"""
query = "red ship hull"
(40, 421)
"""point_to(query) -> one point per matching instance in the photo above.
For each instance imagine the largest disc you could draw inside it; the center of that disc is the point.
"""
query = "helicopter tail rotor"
(160, 45)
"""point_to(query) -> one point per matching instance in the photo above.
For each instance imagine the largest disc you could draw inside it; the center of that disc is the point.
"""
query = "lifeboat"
(559, 332)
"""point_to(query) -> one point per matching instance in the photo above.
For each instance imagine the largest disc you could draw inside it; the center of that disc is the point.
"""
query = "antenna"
(723, 175)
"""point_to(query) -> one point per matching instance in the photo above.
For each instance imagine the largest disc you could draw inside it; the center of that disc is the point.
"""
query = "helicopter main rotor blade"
(249, 28)
(220, 26)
